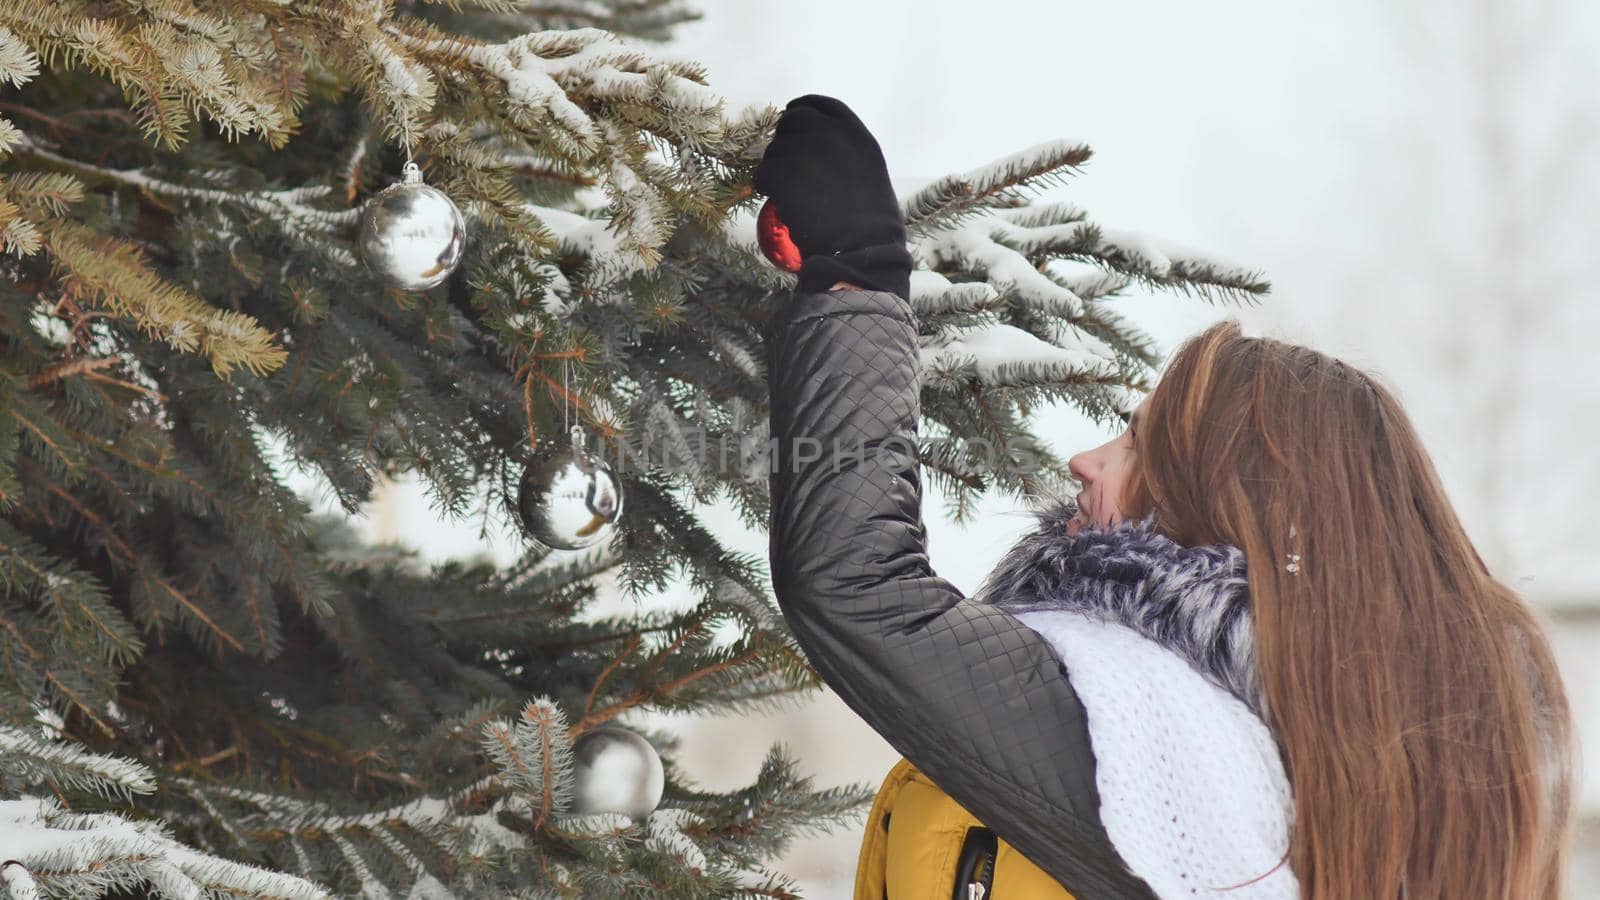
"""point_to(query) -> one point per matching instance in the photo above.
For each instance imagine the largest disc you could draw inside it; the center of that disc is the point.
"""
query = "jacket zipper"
(975, 865)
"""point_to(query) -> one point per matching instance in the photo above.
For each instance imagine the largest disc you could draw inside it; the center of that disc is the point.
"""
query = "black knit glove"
(826, 173)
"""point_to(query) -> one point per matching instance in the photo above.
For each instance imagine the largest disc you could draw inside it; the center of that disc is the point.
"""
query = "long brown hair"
(1415, 699)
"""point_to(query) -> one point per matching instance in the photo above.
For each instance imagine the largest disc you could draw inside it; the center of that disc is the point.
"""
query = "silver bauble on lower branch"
(412, 235)
(616, 771)
(569, 499)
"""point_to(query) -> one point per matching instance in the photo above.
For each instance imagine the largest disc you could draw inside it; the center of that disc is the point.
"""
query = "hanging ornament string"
(574, 429)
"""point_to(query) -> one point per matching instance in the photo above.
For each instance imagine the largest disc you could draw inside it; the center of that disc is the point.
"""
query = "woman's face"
(1105, 472)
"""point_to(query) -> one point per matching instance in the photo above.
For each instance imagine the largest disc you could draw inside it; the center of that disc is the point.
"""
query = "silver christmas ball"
(616, 771)
(411, 234)
(568, 499)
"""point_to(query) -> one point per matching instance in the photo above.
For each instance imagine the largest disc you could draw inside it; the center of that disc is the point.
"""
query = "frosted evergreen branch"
(971, 247)
(1019, 262)
(1121, 335)
(596, 240)
(544, 573)
(30, 759)
(1043, 241)
(1038, 215)
(543, 71)
(999, 355)
(225, 822)
(169, 61)
(45, 193)
(728, 346)
(112, 272)
(534, 755)
(18, 63)
(305, 817)
(949, 462)
(933, 295)
(385, 836)
(663, 427)
(294, 822)
(319, 230)
(92, 854)
(944, 202)
(1168, 264)
(1091, 283)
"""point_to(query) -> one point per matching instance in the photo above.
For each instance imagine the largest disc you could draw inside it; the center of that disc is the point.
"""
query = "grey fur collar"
(1191, 600)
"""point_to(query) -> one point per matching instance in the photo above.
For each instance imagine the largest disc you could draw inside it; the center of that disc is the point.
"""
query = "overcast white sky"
(1339, 147)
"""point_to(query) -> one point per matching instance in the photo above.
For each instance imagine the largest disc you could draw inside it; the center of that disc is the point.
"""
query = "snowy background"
(1418, 180)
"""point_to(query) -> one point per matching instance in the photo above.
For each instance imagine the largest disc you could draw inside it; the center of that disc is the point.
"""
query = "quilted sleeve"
(971, 696)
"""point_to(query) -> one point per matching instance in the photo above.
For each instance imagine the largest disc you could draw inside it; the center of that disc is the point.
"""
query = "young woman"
(1256, 657)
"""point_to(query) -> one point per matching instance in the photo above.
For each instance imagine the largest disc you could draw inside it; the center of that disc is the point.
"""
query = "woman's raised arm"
(972, 697)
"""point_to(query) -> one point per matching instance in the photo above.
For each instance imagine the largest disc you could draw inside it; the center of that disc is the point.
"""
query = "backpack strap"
(873, 863)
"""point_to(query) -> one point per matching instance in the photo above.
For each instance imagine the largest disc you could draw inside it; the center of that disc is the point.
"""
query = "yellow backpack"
(922, 845)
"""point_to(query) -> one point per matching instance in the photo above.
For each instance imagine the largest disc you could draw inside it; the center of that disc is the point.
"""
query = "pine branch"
(30, 760)
(535, 756)
(114, 275)
(166, 65)
(89, 855)
(314, 228)
(758, 822)
(948, 200)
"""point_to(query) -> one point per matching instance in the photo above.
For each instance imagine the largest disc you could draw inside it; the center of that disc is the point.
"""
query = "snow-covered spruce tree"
(185, 643)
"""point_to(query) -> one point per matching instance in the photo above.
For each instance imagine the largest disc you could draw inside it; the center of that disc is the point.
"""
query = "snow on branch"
(1035, 215)
(995, 184)
(641, 214)
(1125, 399)
(610, 258)
(1089, 282)
(1016, 251)
(32, 759)
(1044, 241)
(1001, 354)
(88, 855)
(313, 227)
(18, 881)
(933, 294)
(1169, 263)
(971, 246)
(546, 75)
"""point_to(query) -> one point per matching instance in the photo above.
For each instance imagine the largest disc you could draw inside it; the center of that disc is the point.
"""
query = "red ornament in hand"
(773, 236)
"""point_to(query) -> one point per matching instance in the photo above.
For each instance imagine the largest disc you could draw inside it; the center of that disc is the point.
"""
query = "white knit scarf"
(1156, 640)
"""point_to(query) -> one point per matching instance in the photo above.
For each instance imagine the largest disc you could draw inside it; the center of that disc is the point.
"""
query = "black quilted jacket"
(972, 697)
